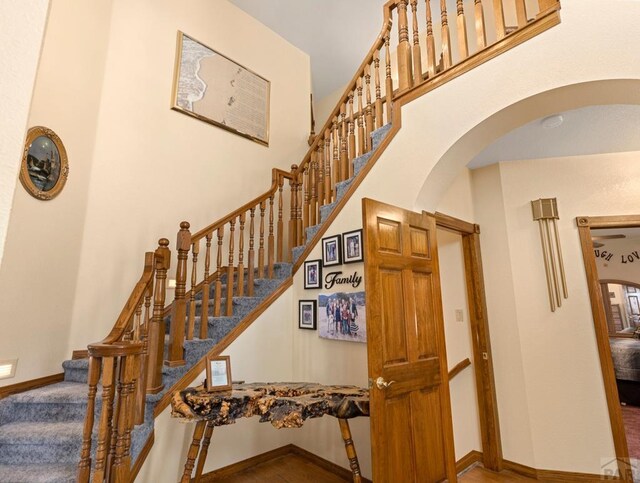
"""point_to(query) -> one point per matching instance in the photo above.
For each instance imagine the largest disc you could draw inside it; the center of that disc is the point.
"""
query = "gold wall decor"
(545, 212)
(44, 168)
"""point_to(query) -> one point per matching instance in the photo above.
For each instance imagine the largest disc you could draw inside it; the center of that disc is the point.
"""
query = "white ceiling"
(336, 34)
(589, 130)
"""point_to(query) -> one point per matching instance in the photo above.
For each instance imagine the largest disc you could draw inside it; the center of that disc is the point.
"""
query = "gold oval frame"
(25, 178)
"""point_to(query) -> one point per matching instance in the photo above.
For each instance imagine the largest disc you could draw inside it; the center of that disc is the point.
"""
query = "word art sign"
(335, 278)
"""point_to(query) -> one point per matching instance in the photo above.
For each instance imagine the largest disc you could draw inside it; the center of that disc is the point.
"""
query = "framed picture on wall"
(218, 373)
(352, 246)
(331, 251)
(313, 274)
(307, 314)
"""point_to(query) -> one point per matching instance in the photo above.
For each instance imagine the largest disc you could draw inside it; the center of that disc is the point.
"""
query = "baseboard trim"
(137, 466)
(471, 458)
(31, 384)
(553, 475)
(240, 466)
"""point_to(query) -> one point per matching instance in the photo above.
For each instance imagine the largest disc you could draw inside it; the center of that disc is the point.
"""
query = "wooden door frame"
(585, 224)
(479, 324)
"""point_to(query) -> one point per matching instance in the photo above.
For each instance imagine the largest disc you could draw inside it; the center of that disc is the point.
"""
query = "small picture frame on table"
(331, 251)
(218, 373)
(307, 314)
(352, 246)
(313, 274)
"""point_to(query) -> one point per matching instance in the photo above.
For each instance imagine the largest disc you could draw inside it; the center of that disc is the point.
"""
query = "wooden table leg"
(194, 449)
(205, 449)
(351, 450)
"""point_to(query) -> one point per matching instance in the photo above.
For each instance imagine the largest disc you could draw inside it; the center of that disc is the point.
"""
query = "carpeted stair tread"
(59, 393)
(38, 473)
(39, 432)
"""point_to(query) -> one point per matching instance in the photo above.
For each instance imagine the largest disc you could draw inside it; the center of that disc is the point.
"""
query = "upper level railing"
(222, 260)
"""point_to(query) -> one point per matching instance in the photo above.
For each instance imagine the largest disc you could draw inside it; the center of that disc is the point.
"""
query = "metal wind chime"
(545, 212)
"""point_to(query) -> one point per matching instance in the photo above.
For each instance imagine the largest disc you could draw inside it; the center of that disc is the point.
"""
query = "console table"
(284, 405)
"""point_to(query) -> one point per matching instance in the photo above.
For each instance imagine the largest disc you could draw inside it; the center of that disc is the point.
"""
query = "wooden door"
(411, 426)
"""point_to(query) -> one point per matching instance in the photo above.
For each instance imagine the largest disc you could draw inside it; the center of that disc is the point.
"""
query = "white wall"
(154, 167)
(563, 383)
(45, 237)
(262, 353)
(18, 63)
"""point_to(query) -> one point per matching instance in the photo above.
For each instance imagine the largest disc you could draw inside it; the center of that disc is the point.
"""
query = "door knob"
(382, 384)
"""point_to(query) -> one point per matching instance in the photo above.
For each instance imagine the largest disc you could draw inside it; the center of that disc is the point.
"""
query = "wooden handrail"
(276, 174)
(459, 367)
(117, 332)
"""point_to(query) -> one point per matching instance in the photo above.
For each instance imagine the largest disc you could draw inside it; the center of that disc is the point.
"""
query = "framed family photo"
(313, 274)
(352, 246)
(331, 251)
(218, 373)
(307, 314)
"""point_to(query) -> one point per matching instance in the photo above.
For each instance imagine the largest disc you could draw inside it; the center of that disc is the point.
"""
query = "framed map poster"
(215, 89)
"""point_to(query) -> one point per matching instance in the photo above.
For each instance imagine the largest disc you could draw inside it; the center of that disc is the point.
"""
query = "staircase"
(100, 420)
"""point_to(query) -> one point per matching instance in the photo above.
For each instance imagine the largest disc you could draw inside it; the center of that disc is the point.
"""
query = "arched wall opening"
(549, 383)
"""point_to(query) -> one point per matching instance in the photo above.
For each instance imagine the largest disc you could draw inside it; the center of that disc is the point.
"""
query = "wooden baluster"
(261, 244)
(271, 243)
(481, 34)
(293, 239)
(335, 167)
(306, 195)
(217, 301)
(230, 269)
(195, 249)
(405, 79)
(369, 109)
(122, 461)
(446, 35)
(388, 79)
(431, 44)
(521, 13)
(352, 134)
(84, 467)
(106, 418)
(498, 11)
(157, 328)
(320, 182)
(463, 43)
(136, 327)
(141, 387)
(206, 290)
(313, 181)
(417, 56)
(378, 106)
(280, 218)
(327, 167)
(344, 149)
(251, 264)
(179, 308)
(361, 140)
(240, 292)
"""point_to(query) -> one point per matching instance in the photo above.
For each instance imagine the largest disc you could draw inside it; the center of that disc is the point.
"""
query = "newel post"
(179, 309)
(157, 326)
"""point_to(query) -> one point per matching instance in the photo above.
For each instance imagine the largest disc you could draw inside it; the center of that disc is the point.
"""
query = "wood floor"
(294, 468)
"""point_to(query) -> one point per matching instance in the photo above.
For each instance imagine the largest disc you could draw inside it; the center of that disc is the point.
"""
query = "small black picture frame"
(352, 249)
(307, 314)
(313, 274)
(332, 251)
